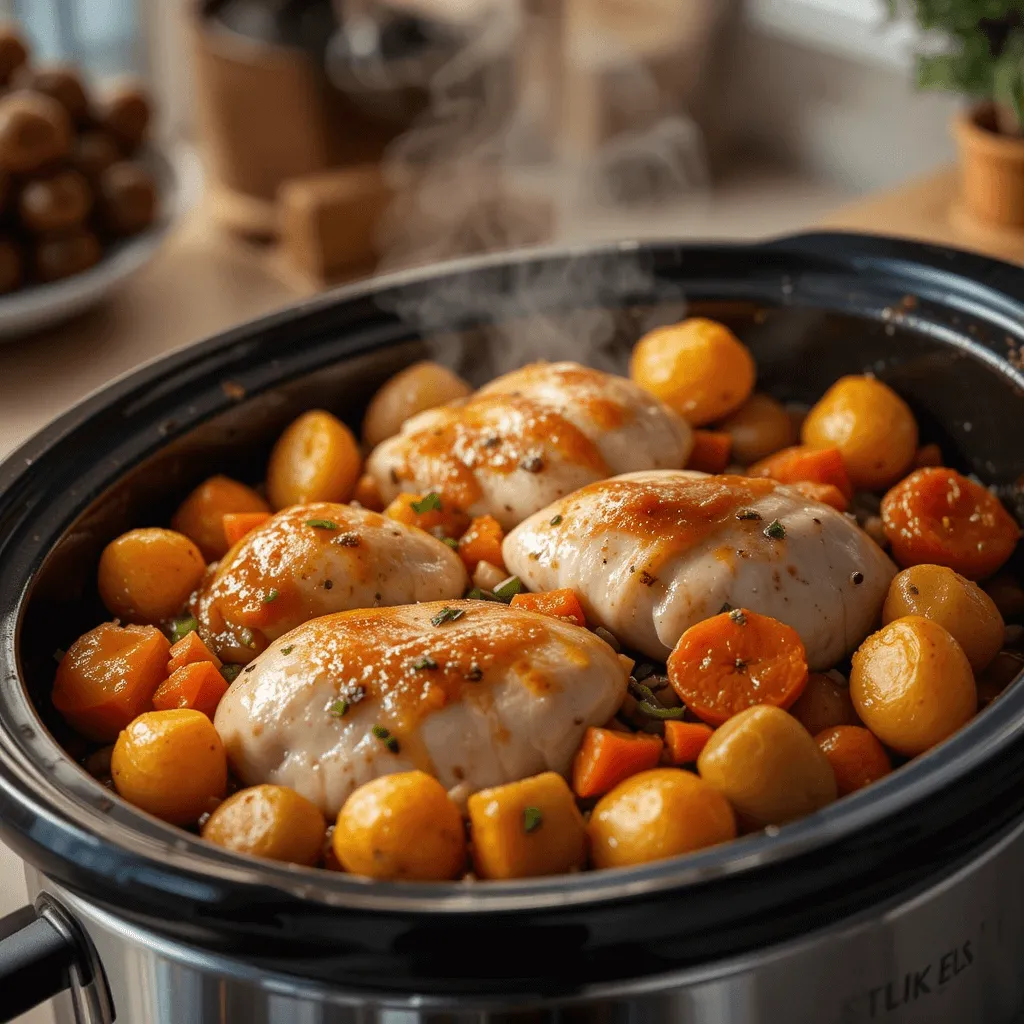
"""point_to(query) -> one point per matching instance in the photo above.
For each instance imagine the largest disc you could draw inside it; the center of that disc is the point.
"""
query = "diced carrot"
(430, 513)
(188, 650)
(108, 676)
(711, 450)
(928, 455)
(368, 494)
(198, 686)
(856, 756)
(733, 661)
(482, 543)
(606, 757)
(685, 740)
(827, 494)
(936, 516)
(238, 524)
(804, 464)
(559, 604)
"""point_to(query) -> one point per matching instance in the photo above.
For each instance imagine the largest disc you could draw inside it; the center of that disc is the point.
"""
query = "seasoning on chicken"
(528, 438)
(650, 554)
(471, 692)
(311, 560)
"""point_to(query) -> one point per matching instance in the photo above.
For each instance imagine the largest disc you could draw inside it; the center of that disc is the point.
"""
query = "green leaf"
(506, 591)
(181, 628)
(339, 709)
(424, 664)
(272, 595)
(323, 524)
(430, 503)
(532, 819)
(451, 542)
(230, 672)
(447, 615)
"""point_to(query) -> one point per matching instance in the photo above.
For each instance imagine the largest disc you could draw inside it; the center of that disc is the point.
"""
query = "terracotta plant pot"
(992, 170)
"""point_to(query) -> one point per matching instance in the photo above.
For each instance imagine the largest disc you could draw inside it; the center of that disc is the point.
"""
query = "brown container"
(992, 170)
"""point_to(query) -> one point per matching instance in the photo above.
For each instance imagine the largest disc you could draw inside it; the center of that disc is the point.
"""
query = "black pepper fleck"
(532, 464)
(857, 578)
(328, 584)
(647, 579)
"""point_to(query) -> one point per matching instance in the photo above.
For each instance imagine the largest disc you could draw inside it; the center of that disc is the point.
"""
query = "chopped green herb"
(748, 513)
(246, 638)
(447, 615)
(775, 530)
(656, 711)
(425, 663)
(323, 524)
(641, 691)
(272, 595)
(556, 520)
(380, 732)
(230, 672)
(738, 617)
(507, 590)
(339, 709)
(348, 540)
(392, 744)
(476, 594)
(430, 503)
(386, 738)
(58, 655)
(288, 649)
(451, 542)
(181, 628)
(475, 673)
(532, 819)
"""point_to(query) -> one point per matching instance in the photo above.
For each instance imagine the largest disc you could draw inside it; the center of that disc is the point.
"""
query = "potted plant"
(983, 59)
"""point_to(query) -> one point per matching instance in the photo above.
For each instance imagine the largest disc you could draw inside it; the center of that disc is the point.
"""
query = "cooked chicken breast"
(528, 438)
(311, 560)
(650, 554)
(473, 692)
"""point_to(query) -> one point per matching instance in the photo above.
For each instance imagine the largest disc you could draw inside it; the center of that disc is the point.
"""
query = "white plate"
(44, 305)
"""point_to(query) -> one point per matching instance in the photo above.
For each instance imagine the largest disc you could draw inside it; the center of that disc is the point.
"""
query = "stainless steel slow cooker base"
(952, 953)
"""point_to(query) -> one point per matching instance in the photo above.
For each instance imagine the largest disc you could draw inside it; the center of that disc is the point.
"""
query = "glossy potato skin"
(171, 764)
(419, 387)
(759, 428)
(955, 603)
(269, 821)
(401, 827)
(872, 427)
(315, 459)
(912, 685)
(768, 766)
(656, 814)
(201, 515)
(698, 367)
(146, 576)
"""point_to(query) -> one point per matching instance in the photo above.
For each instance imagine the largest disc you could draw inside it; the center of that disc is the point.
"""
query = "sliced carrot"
(804, 464)
(857, 758)
(711, 451)
(367, 493)
(735, 660)
(606, 757)
(238, 524)
(430, 513)
(939, 517)
(559, 604)
(928, 455)
(108, 676)
(188, 650)
(198, 686)
(482, 543)
(827, 494)
(685, 740)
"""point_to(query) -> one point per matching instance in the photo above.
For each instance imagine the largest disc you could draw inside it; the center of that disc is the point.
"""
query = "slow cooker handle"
(44, 953)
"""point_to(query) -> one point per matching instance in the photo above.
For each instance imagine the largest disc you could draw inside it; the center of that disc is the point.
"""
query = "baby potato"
(697, 367)
(527, 828)
(146, 576)
(171, 764)
(759, 428)
(824, 704)
(269, 821)
(315, 459)
(656, 814)
(768, 767)
(872, 427)
(402, 826)
(201, 515)
(912, 685)
(958, 605)
(415, 389)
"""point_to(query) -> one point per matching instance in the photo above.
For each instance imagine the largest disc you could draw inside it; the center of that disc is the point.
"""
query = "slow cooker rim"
(977, 745)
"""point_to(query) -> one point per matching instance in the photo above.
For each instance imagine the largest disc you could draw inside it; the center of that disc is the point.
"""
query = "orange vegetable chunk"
(711, 451)
(482, 543)
(238, 524)
(856, 756)
(559, 604)
(438, 517)
(198, 686)
(188, 650)
(605, 758)
(685, 740)
(827, 494)
(802, 464)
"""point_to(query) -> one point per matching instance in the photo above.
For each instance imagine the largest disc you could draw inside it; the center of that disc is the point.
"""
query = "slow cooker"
(902, 904)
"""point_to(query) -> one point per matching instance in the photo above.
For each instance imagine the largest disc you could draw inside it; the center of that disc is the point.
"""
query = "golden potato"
(201, 515)
(171, 764)
(912, 685)
(656, 814)
(402, 826)
(872, 427)
(961, 607)
(527, 828)
(768, 767)
(146, 576)
(269, 821)
(824, 704)
(697, 367)
(315, 459)
(415, 389)
(759, 428)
